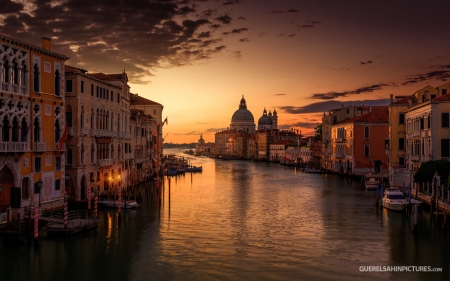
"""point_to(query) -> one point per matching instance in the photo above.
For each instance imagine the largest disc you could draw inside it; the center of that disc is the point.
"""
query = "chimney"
(46, 44)
(392, 98)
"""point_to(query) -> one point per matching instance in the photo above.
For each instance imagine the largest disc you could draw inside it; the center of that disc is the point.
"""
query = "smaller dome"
(264, 120)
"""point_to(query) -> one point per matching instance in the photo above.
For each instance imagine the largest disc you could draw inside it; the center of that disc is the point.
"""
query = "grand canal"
(242, 220)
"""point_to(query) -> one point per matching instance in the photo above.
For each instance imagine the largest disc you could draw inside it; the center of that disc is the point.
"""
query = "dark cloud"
(236, 55)
(298, 125)
(244, 40)
(204, 35)
(325, 106)
(225, 19)
(362, 90)
(280, 94)
(292, 11)
(441, 75)
(307, 25)
(241, 18)
(291, 35)
(239, 30)
(112, 35)
(230, 3)
(185, 10)
(214, 130)
(276, 12)
(282, 12)
(366, 62)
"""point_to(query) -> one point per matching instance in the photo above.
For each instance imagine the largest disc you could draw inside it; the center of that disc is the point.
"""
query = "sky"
(199, 57)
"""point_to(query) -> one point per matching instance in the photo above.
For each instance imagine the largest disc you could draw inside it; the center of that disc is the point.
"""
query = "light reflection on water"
(243, 221)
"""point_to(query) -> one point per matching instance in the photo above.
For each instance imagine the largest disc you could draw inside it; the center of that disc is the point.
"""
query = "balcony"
(140, 160)
(94, 132)
(104, 162)
(84, 131)
(340, 140)
(39, 146)
(415, 134)
(414, 157)
(127, 135)
(339, 156)
(63, 148)
(13, 146)
(14, 88)
(106, 133)
(127, 155)
(70, 131)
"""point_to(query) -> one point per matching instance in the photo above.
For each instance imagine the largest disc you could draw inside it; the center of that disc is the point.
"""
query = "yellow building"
(32, 125)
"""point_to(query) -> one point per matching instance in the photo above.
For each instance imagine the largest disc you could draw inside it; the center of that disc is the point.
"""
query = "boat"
(194, 169)
(171, 172)
(126, 204)
(371, 182)
(312, 170)
(394, 199)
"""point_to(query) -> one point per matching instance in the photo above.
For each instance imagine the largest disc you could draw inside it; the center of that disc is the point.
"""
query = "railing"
(415, 134)
(39, 146)
(5, 87)
(84, 131)
(106, 133)
(63, 148)
(127, 135)
(94, 132)
(339, 155)
(70, 131)
(13, 146)
(105, 162)
(127, 155)
(340, 140)
(414, 157)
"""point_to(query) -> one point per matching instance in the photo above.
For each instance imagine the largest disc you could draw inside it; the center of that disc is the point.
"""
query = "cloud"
(236, 55)
(366, 62)
(441, 75)
(307, 25)
(230, 3)
(326, 106)
(139, 36)
(214, 130)
(299, 124)
(241, 18)
(280, 94)
(225, 19)
(282, 12)
(244, 40)
(362, 90)
(291, 35)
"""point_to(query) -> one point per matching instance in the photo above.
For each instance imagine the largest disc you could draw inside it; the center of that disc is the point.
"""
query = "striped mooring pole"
(36, 221)
(66, 213)
(120, 201)
(95, 203)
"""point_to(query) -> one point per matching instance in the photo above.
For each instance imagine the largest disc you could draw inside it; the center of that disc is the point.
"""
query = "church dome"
(242, 114)
(264, 120)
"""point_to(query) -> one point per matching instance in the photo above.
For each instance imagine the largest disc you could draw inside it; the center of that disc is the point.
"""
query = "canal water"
(240, 220)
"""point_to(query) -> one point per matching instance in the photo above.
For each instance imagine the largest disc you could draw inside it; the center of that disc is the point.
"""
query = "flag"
(26, 134)
(165, 121)
(62, 140)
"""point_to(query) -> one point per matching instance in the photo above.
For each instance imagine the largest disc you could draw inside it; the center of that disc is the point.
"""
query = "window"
(69, 156)
(58, 163)
(82, 87)
(445, 147)
(25, 191)
(154, 111)
(97, 91)
(69, 115)
(401, 161)
(69, 86)
(366, 150)
(429, 121)
(445, 120)
(36, 79)
(57, 184)
(57, 83)
(444, 91)
(422, 123)
(118, 97)
(92, 89)
(36, 130)
(401, 143)
(432, 96)
(366, 132)
(37, 164)
(401, 118)
(36, 188)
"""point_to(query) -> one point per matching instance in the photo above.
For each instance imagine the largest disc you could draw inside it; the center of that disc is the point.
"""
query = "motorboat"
(312, 170)
(126, 204)
(194, 169)
(371, 182)
(394, 199)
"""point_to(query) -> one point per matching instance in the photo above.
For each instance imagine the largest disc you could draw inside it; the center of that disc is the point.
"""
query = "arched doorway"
(7, 180)
(70, 188)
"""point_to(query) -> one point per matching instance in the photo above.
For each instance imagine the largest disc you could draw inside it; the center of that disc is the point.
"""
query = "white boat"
(371, 182)
(128, 204)
(312, 170)
(394, 199)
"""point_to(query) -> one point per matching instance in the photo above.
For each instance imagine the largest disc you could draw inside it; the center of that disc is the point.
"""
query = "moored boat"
(371, 182)
(126, 204)
(394, 199)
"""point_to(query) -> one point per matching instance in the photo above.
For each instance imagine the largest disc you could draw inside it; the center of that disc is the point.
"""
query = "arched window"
(92, 118)
(36, 130)
(82, 117)
(24, 130)
(36, 84)
(57, 83)
(25, 188)
(15, 74)
(5, 129)
(15, 130)
(57, 131)
(23, 74)
(366, 132)
(69, 115)
(366, 150)
(92, 153)
(69, 156)
(5, 72)
(82, 153)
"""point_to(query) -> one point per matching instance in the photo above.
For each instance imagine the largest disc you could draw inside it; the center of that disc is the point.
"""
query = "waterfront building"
(268, 121)
(396, 145)
(427, 127)
(278, 150)
(141, 147)
(153, 109)
(358, 144)
(203, 147)
(32, 125)
(305, 151)
(223, 142)
(98, 145)
(328, 120)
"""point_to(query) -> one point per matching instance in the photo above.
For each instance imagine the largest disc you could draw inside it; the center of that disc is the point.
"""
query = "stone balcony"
(127, 155)
(13, 146)
(94, 132)
(39, 146)
(104, 162)
(84, 131)
(63, 148)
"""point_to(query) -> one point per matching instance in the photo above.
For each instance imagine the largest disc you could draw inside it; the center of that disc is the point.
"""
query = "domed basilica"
(242, 119)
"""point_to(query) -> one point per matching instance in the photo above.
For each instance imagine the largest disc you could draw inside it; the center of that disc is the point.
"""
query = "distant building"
(204, 148)
(242, 119)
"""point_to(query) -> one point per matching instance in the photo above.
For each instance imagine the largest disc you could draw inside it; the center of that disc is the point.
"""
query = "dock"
(78, 222)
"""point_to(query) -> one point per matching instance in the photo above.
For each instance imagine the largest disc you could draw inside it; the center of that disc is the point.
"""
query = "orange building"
(359, 143)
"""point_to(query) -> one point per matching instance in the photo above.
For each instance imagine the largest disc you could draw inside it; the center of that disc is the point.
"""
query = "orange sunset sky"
(197, 58)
